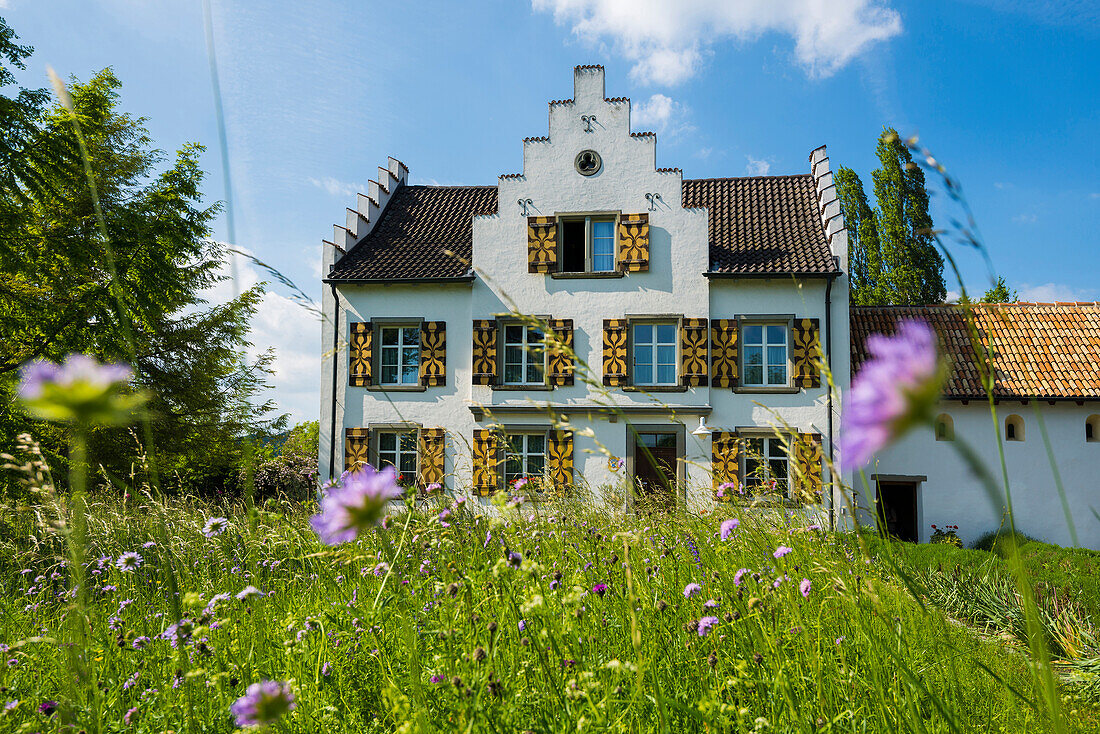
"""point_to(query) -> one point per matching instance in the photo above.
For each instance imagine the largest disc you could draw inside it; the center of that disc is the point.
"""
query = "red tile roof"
(1039, 350)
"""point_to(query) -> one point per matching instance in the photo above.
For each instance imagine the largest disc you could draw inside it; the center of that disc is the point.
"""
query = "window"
(945, 428)
(766, 465)
(654, 354)
(1092, 429)
(525, 456)
(524, 355)
(400, 355)
(398, 449)
(588, 245)
(1014, 428)
(765, 355)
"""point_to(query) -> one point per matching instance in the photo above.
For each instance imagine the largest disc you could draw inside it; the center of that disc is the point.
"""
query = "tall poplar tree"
(864, 251)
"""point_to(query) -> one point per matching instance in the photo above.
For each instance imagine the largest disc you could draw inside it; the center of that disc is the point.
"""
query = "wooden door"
(897, 509)
(655, 470)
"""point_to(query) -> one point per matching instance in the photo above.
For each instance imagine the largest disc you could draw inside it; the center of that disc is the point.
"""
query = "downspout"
(829, 393)
(335, 362)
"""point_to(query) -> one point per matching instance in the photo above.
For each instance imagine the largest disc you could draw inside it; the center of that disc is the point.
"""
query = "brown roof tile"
(1039, 350)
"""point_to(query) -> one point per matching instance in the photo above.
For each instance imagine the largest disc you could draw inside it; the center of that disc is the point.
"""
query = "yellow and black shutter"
(560, 459)
(808, 466)
(484, 461)
(634, 243)
(433, 353)
(432, 454)
(806, 353)
(360, 354)
(725, 463)
(724, 354)
(356, 448)
(485, 352)
(542, 244)
(694, 369)
(561, 352)
(614, 352)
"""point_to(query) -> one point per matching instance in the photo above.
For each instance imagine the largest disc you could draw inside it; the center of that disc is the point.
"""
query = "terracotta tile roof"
(1040, 350)
(762, 224)
(424, 232)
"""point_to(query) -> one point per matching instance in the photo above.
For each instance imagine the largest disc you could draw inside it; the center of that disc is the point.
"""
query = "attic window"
(945, 428)
(1092, 429)
(1014, 428)
(588, 244)
(587, 162)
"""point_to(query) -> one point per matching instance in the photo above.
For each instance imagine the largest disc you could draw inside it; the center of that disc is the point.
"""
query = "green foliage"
(55, 288)
(1000, 293)
(892, 255)
(290, 470)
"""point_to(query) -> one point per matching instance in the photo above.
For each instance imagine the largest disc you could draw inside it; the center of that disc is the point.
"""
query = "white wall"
(952, 496)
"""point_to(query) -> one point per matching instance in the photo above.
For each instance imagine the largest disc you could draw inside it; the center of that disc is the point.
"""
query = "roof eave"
(718, 275)
(468, 278)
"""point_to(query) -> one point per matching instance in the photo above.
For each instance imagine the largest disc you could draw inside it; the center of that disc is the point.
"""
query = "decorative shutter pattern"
(561, 358)
(614, 352)
(432, 453)
(806, 353)
(484, 462)
(724, 354)
(694, 370)
(634, 243)
(485, 352)
(433, 353)
(560, 459)
(360, 353)
(356, 448)
(808, 466)
(542, 244)
(725, 462)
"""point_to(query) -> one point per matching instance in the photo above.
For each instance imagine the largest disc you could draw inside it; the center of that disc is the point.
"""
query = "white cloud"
(1049, 292)
(1095, 195)
(757, 167)
(661, 114)
(667, 40)
(336, 187)
(1025, 219)
(704, 153)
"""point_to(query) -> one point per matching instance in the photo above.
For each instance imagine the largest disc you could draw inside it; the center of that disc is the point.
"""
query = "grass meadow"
(541, 618)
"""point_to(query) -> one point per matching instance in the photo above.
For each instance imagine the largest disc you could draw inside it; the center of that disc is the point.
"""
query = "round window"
(587, 162)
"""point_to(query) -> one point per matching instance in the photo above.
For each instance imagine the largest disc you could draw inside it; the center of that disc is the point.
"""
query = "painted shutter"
(634, 243)
(485, 352)
(694, 370)
(561, 352)
(432, 453)
(806, 353)
(542, 244)
(360, 354)
(808, 467)
(484, 462)
(614, 352)
(560, 459)
(356, 448)
(724, 354)
(725, 463)
(433, 353)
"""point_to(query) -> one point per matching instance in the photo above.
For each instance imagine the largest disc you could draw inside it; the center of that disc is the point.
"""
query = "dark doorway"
(897, 509)
(655, 470)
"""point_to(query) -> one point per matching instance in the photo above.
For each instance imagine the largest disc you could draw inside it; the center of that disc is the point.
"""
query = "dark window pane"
(666, 333)
(643, 333)
(536, 443)
(666, 440)
(572, 246)
(389, 337)
(411, 335)
(754, 375)
(754, 334)
(389, 374)
(777, 335)
(777, 375)
(387, 441)
(535, 465)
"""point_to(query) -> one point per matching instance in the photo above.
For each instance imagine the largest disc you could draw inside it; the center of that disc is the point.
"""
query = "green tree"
(1000, 293)
(912, 267)
(864, 250)
(55, 297)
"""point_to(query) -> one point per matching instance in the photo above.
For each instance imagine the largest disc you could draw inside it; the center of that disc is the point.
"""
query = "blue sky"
(318, 92)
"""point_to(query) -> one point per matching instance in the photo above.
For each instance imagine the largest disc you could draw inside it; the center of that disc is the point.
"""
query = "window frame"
(505, 453)
(765, 320)
(654, 321)
(390, 322)
(1019, 429)
(502, 331)
(948, 423)
(768, 435)
(374, 448)
(589, 244)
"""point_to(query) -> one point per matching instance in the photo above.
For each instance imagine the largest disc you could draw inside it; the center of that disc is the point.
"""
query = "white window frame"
(528, 350)
(399, 451)
(524, 455)
(764, 344)
(400, 348)
(654, 344)
(590, 242)
(771, 442)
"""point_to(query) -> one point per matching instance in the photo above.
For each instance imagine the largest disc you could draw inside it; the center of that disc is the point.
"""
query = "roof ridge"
(748, 178)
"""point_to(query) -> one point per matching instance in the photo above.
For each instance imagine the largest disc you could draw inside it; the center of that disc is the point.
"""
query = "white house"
(689, 300)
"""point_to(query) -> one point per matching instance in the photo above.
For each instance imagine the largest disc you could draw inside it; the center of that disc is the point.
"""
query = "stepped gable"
(1039, 350)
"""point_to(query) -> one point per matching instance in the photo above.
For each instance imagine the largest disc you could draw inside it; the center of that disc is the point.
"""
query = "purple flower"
(326, 669)
(804, 587)
(514, 559)
(10, 705)
(433, 487)
(47, 708)
(436, 679)
(443, 517)
(140, 642)
(215, 526)
(896, 387)
(728, 526)
(78, 389)
(129, 561)
(739, 575)
(599, 589)
(248, 593)
(355, 504)
(522, 625)
(705, 625)
(128, 718)
(692, 589)
(725, 488)
(263, 703)
(781, 551)
(710, 604)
